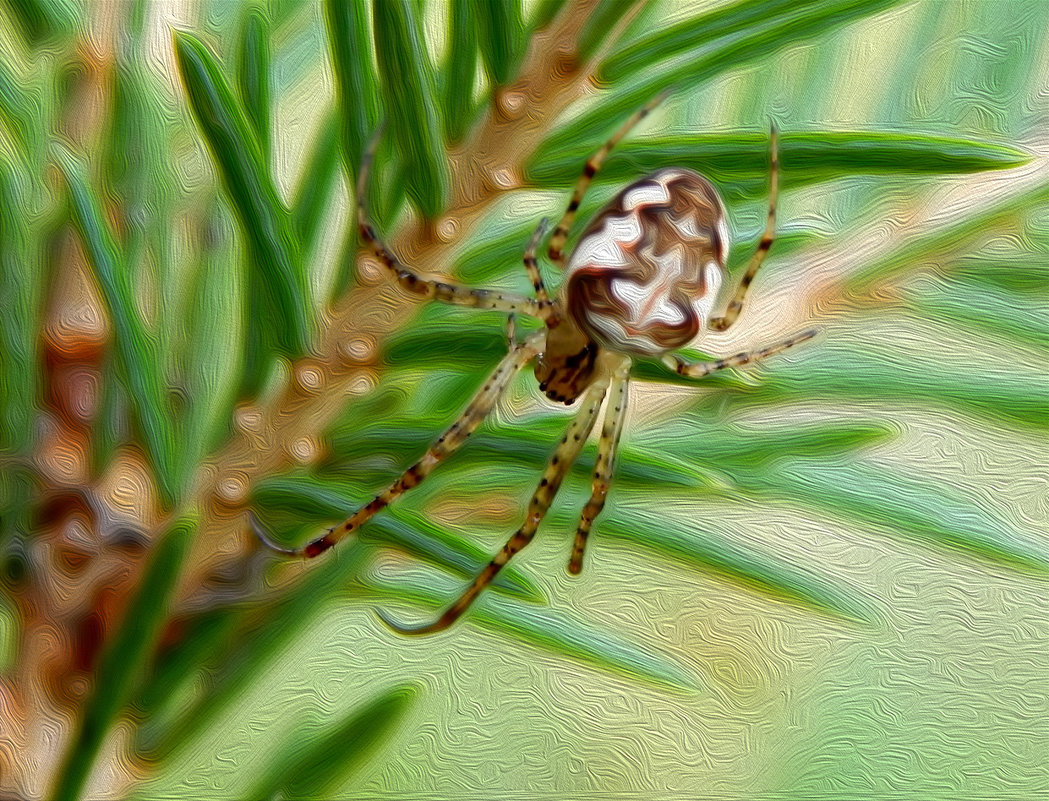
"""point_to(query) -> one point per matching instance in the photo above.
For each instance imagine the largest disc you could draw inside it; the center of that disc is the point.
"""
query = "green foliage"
(277, 282)
(501, 33)
(125, 656)
(136, 348)
(408, 85)
(336, 749)
(211, 280)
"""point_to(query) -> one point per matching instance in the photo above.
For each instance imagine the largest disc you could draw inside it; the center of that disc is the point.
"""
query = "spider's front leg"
(435, 290)
(735, 306)
(448, 443)
(593, 164)
(560, 463)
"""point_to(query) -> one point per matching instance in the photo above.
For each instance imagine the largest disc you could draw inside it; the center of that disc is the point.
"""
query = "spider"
(641, 281)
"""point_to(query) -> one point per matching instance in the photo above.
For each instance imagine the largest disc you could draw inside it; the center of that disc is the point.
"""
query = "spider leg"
(413, 282)
(615, 412)
(511, 330)
(593, 164)
(735, 305)
(558, 467)
(531, 264)
(700, 369)
(448, 443)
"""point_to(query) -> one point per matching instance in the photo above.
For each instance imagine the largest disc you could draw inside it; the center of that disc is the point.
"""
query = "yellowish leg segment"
(447, 444)
(593, 164)
(700, 369)
(415, 283)
(559, 465)
(735, 305)
(615, 412)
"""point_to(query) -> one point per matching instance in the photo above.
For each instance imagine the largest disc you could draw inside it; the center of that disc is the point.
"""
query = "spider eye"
(645, 273)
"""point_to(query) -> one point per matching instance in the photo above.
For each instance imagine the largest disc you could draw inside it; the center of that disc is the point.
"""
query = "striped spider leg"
(436, 290)
(611, 429)
(449, 442)
(556, 469)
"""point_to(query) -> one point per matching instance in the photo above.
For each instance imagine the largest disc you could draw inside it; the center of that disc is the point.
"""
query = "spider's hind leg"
(615, 412)
(700, 369)
(558, 467)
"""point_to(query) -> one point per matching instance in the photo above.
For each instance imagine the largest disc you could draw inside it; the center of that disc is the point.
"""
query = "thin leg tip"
(264, 538)
(400, 628)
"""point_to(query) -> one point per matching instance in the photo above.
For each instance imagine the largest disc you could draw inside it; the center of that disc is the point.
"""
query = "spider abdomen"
(644, 275)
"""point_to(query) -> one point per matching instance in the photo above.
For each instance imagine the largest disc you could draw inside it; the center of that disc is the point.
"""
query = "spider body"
(641, 281)
(643, 278)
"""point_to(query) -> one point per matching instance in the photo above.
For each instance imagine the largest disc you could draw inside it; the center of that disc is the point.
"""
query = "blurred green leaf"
(460, 69)
(355, 80)
(17, 112)
(409, 95)
(135, 347)
(209, 344)
(501, 38)
(695, 31)
(755, 42)
(729, 449)
(253, 76)
(698, 545)
(20, 292)
(949, 239)
(125, 656)
(471, 347)
(20, 298)
(601, 22)
(110, 427)
(278, 287)
(980, 307)
(181, 663)
(552, 631)
(545, 12)
(313, 197)
(41, 21)
(335, 751)
(904, 505)
(1022, 278)
(264, 632)
(742, 159)
(139, 185)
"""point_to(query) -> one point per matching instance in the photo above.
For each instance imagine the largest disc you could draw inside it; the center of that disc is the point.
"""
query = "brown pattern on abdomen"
(645, 272)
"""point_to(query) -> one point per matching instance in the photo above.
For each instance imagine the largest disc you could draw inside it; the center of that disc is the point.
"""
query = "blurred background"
(823, 577)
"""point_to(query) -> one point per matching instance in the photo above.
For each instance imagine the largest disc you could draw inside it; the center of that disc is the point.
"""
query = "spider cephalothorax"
(642, 280)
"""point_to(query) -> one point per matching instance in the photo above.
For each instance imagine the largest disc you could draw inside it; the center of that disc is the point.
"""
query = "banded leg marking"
(615, 412)
(448, 443)
(735, 305)
(560, 463)
(593, 164)
(415, 283)
(531, 265)
(700, 369)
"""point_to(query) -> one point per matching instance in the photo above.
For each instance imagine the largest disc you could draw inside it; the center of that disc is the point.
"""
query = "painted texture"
(823, 577)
